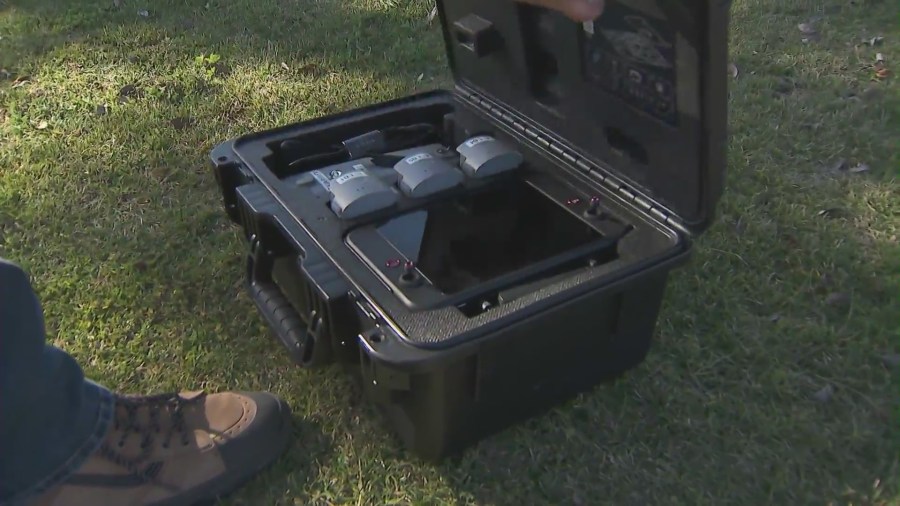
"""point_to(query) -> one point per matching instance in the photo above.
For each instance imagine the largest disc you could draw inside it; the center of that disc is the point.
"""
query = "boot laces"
(127, 422)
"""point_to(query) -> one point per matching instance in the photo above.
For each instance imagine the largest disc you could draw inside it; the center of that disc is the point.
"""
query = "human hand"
(577, 10)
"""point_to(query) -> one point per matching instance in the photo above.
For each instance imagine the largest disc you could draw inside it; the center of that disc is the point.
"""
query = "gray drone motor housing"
(424, 174)
(485, 156)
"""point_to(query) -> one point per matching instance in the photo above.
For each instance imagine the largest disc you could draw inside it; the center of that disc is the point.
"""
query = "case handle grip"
(283, 320)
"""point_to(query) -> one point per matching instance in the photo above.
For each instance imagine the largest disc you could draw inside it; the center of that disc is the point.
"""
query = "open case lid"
(640, 92)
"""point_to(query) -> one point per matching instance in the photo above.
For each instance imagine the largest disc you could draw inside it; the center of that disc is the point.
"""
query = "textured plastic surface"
(521, 371)
(642, 91)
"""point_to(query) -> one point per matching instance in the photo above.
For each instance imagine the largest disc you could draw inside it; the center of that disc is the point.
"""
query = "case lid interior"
(641, 91)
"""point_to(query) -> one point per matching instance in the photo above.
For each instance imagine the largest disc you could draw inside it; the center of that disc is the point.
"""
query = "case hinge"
(569, 156)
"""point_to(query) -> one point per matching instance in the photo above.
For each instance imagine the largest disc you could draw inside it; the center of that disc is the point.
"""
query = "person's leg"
(51, 419)
(65, 441)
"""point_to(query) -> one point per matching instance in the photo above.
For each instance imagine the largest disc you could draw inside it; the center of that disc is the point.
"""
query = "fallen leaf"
(833, 212)
(421, 76)
(824, 394)
(891, 360)
(882, 73)
(144, 13)
(879, 58)
(285, 66)
(433, 14)
(733, 70)
(837, 299)
(42, 125)
(859, 168)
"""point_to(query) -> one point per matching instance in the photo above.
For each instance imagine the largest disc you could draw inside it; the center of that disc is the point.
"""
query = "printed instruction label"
(471, 143)
(633, 56)
(418, 158)
(350, 176)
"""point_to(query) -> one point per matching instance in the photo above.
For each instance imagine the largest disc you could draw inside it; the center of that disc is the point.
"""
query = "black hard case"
(571, 103)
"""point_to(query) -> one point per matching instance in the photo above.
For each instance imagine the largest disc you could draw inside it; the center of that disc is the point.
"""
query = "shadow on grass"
(727, 409)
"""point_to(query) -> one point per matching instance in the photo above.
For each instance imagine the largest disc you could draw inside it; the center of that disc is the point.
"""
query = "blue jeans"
(51, 418)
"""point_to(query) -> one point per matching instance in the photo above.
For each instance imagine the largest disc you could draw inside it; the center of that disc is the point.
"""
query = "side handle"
(283, 319)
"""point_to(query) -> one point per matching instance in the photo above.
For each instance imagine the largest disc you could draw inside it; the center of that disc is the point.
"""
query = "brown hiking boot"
(178, 450)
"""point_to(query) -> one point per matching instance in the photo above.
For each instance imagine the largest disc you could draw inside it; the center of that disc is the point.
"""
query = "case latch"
(476, 34)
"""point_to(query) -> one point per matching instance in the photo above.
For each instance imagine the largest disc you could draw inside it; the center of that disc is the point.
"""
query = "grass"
(108, 202)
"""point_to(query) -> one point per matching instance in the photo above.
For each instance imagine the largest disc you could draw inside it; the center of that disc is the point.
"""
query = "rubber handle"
(284, 321)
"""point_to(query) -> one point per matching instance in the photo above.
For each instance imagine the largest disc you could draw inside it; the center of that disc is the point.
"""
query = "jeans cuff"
(106, 404)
